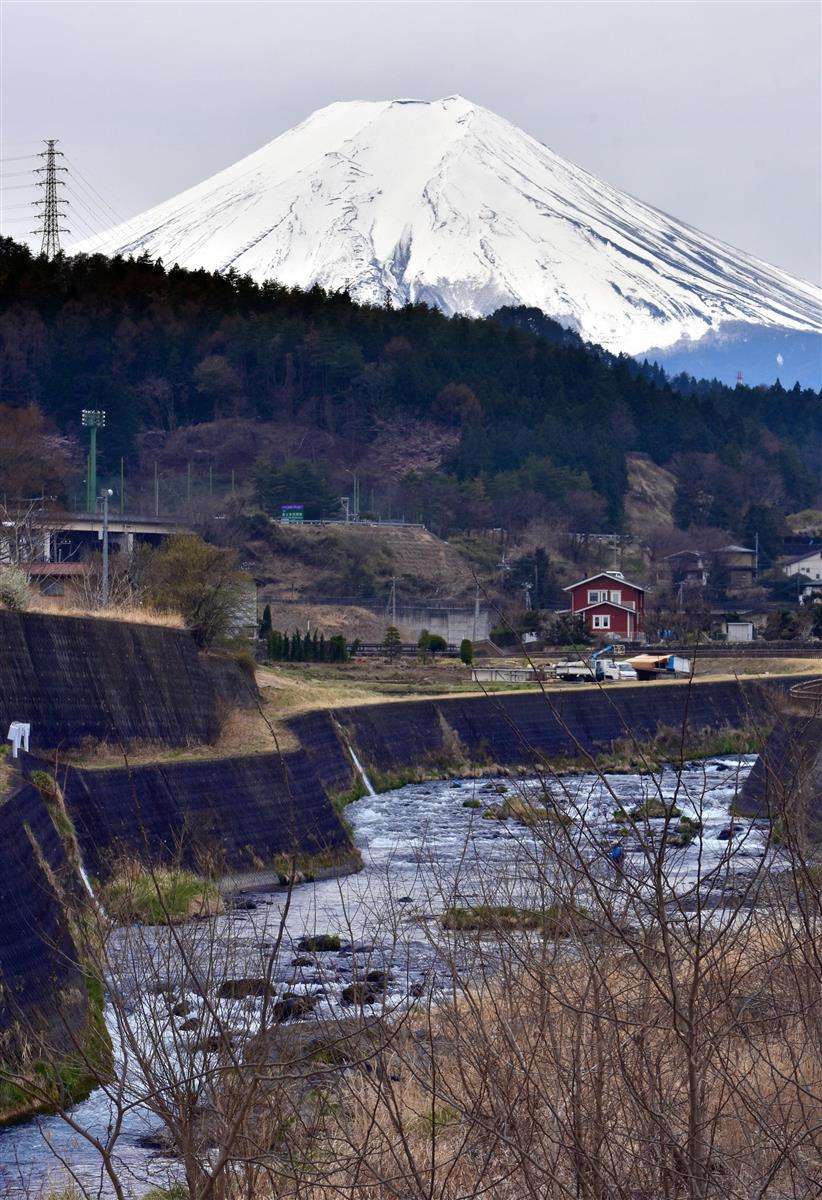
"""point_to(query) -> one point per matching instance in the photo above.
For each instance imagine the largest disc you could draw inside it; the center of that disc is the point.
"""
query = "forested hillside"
(518, 418)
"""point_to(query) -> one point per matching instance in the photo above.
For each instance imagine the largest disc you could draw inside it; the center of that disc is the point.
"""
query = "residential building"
(809, 565)
(609, 605)
(739, 563)
(687, 567)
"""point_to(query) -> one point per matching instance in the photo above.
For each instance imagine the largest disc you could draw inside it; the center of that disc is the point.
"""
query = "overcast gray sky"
(710, 111)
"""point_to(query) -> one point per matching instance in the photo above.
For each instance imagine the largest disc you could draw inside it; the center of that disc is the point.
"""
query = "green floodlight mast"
(93, 419)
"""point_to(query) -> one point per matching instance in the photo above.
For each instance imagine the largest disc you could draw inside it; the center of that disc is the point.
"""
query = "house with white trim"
(609, 605)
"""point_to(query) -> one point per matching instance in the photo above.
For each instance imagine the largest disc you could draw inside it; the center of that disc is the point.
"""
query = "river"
(425, 847)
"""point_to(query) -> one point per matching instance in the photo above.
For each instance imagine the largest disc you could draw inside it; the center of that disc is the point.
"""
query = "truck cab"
(615, 671)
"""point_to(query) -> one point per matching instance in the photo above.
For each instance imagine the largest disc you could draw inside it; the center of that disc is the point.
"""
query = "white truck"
(573, 670)
(615, 671)
(604, 670)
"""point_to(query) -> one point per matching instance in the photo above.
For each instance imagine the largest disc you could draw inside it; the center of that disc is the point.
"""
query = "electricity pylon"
(50, 205)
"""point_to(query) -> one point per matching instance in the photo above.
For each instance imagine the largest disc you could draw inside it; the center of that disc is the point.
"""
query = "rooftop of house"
(62, 569)
(612, 576)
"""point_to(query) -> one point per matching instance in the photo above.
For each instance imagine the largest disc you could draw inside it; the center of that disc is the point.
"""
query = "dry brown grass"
(7, 773)
(132, 614)
(572, 1079)
(562, 1074)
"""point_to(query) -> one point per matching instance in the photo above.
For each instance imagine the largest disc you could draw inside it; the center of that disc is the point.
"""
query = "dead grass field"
(131, 614)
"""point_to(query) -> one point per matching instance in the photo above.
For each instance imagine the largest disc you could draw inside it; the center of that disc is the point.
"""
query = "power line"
(78, 200)
(80, 180)
(77, 173)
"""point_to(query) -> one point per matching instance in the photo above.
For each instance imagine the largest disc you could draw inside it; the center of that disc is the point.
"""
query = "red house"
(609, 604)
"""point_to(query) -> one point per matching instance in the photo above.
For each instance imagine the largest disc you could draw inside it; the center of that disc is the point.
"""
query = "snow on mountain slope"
(446, 203)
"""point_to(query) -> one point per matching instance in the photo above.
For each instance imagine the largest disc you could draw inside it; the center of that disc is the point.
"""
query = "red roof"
(57, 568)
(606, 604)
(610, 576)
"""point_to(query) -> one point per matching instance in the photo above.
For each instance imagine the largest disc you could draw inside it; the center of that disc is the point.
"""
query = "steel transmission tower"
(50, 205)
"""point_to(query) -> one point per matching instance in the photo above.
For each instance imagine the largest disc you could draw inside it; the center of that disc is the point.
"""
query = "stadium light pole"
(93, 419)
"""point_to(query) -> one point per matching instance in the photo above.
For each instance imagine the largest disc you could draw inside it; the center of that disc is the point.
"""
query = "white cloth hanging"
(18, 735)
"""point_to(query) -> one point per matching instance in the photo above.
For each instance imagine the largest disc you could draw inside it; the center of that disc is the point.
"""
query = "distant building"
(609, 605)
(66, 582)
(740, 564)
(809, 565)
(739, 631)
(687, 567)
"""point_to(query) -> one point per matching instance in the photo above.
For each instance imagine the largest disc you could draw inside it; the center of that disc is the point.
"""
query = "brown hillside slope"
(649, 501)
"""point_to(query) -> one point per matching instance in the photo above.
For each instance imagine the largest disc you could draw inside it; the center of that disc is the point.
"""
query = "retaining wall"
(79, 677)
(517, 729)
(788, 775)
(232, 814)
(42, 989)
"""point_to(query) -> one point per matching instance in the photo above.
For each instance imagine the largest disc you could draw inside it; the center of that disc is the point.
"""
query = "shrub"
(392, 643)
(14, 589)
(467, 651)
(159, 897)
(265, 624)
(199, 581)
(653, 809)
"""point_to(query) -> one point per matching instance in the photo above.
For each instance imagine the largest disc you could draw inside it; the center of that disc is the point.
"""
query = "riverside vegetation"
(600, 1034)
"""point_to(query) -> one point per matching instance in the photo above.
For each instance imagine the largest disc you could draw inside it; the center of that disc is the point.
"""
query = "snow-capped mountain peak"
(445, 202)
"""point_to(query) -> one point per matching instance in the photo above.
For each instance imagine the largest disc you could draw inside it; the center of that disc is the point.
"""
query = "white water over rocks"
(425, 847)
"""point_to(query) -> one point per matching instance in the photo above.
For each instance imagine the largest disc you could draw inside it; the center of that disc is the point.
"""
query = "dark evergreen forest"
(533, 413)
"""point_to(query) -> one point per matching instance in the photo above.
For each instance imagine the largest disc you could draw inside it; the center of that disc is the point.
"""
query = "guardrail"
(741, 649)
(808, 695)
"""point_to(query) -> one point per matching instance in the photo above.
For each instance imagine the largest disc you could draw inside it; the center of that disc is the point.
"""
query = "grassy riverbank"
(289, 690)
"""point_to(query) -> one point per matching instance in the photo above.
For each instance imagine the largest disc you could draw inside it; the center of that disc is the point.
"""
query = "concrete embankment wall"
(42, 989)
(73, 678)
(227, 814)
(787, 776)
(521, 728)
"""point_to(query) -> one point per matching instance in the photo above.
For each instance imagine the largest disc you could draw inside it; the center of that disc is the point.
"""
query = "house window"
(602, 621)
(616, 597)
(596, 597)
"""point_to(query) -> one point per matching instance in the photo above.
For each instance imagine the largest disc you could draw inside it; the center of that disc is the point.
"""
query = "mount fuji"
(444, 202)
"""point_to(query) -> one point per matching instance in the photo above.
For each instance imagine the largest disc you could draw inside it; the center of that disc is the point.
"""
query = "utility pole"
(50, 206)
(105, 496)
(93, 419)
(476, 613)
